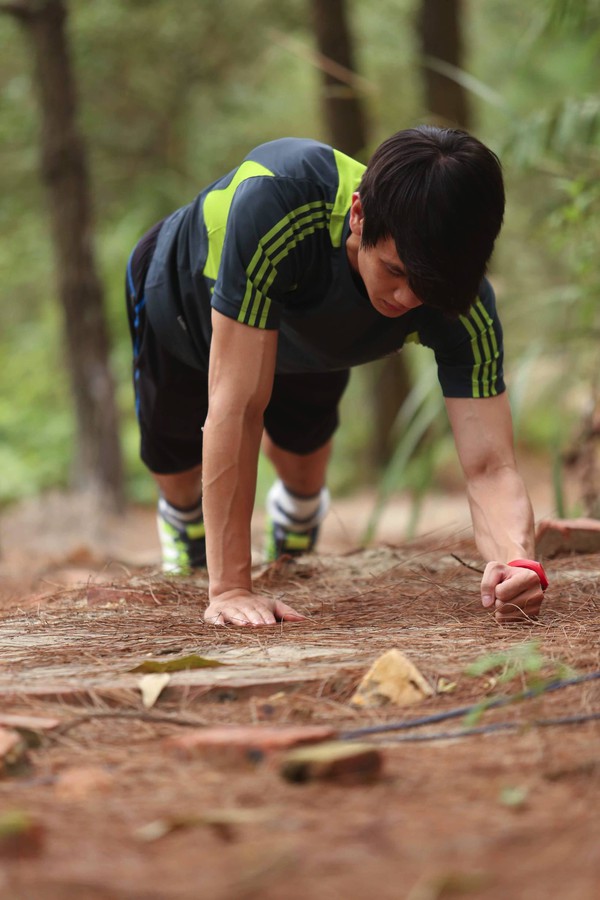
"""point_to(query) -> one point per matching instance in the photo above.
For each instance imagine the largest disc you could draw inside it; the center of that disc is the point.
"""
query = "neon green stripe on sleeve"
(494, 353)
(278, 237)
(265, 314)
(246, 301)
(485, 346)
(294, 238)
(273, 247)
(476, 353)
(488, 321)
(258, 298)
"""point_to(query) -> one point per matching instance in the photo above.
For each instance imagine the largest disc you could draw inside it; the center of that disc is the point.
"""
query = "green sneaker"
(183, 546)
(280, 541)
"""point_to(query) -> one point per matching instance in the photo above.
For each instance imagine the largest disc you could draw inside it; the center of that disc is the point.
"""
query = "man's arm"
(242, 367)
(500, 507)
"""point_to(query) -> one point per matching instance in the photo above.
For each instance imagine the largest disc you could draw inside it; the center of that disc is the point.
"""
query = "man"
(249, 306)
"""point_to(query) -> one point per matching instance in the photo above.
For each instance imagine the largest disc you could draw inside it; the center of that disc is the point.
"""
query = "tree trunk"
(346, 121)
(342, 106)
(98, 462)
(440, 35)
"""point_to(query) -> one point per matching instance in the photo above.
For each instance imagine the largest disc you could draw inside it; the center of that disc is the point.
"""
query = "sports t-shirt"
(266, 245)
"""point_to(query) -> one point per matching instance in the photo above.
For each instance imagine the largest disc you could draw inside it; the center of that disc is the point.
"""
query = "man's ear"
(356, 215)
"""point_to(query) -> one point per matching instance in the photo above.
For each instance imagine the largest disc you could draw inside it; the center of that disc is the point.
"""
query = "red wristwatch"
(534, 566)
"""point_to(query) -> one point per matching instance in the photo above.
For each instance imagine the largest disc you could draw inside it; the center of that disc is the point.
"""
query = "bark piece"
(334, 760)
(563, 536)
(392, 679)
(31, 728)
(28, 723)
(231, 744)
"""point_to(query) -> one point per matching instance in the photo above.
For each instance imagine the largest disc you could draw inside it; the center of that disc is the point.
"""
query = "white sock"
(296, 513)
(179, 516)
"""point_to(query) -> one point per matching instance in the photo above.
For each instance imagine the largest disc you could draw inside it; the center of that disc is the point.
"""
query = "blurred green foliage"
(172, 96)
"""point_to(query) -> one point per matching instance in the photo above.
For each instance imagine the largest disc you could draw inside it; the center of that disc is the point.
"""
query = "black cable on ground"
(488, 729)
(465, 710)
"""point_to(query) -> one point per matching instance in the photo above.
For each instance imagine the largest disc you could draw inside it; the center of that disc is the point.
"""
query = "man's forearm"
(502, 515)
(231, 447)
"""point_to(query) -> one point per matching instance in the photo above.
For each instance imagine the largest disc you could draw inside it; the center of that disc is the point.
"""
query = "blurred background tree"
(96, 464)
(343, 105)
(170, 97)
(440, 26)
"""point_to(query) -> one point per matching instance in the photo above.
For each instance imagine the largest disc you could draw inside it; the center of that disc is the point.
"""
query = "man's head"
(439, 195)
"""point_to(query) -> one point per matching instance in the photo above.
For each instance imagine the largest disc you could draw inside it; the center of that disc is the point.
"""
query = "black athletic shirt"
(266, 245)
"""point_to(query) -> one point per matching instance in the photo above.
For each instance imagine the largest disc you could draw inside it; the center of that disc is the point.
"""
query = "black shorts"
(172, 398)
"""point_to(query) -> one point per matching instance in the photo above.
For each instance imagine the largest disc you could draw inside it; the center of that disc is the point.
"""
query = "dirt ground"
(105, 808)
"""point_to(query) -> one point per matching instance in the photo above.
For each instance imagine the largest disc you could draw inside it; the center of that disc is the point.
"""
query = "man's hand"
(242, 607)
(515, 593)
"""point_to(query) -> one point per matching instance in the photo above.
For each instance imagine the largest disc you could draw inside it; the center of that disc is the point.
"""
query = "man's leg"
(180, 521)
(303, 474)
(182, 490)
(171, 411)
(298, 501)
(171, 404)
(300, 421)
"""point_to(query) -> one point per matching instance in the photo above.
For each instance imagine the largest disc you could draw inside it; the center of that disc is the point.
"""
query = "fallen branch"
(466, 564)
(466, 710)
(128, 714)
(492, 727)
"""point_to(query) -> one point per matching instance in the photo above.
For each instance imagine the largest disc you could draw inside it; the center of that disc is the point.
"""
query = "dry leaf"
(515, 796)
(392, 679)
(152, 687)
(12, 751)
(178, 665)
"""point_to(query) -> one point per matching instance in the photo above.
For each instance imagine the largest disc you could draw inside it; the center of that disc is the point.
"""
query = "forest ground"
(105, 807)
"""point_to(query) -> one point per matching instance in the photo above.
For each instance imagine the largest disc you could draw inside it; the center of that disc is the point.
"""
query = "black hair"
(439, 193)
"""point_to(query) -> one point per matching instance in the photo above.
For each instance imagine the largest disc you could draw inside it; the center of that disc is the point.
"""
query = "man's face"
(380, 269)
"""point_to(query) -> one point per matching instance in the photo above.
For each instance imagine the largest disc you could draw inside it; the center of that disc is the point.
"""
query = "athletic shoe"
(283, 542)
(183, 546)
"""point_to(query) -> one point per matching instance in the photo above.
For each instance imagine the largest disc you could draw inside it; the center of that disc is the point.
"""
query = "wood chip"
(338, 761)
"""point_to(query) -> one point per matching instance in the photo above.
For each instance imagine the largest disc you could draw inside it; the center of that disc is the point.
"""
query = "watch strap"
(534, 566)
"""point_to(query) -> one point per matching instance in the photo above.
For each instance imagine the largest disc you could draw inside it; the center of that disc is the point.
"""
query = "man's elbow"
(490, 469)
(225, 411)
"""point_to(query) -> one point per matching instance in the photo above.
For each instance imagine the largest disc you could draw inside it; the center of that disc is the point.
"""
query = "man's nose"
(405, 297)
